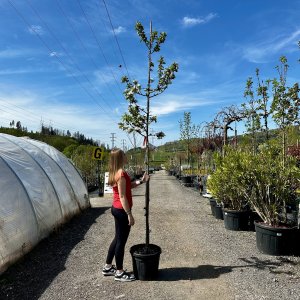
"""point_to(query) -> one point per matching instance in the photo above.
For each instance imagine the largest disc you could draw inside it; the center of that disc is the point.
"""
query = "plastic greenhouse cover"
(40, 189)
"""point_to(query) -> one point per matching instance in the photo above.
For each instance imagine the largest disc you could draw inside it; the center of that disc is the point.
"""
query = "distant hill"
(60, 142)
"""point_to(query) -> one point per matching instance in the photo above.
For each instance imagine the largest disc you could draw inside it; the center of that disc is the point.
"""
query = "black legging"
(117, 246)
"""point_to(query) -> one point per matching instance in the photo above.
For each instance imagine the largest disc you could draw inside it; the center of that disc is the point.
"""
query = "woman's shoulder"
(120, 173)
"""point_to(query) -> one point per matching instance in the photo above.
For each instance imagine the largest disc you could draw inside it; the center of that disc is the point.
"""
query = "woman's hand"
(131, 220)
(145, 177)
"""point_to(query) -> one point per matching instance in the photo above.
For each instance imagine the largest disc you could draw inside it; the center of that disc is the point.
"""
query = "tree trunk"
(147, 193)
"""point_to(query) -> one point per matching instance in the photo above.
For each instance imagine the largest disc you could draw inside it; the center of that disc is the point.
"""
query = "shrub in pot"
(226, 183)
(273, 189)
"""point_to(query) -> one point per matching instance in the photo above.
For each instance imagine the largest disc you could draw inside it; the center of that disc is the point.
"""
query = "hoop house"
(40, 189)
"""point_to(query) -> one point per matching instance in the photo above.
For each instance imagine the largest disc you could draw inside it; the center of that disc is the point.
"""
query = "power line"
(113, 30)
(65, 50)
(98, 43)
(56, 56)
(64, 126)
(82, 44)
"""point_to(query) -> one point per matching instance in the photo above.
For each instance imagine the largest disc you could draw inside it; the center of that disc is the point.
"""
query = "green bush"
(273, 185)
(260, 180)
(229, 181)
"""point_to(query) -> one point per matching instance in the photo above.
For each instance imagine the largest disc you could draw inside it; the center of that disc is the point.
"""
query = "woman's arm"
(123, 199)
(139, 182)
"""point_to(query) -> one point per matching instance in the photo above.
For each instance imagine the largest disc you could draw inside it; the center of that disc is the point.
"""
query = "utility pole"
(124, 145)
(113, 139)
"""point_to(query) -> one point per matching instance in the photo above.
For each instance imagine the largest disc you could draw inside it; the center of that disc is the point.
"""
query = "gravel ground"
(200, 259)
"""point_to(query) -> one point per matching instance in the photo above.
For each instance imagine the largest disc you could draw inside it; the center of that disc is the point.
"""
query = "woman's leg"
(122, 233)
(112, 247)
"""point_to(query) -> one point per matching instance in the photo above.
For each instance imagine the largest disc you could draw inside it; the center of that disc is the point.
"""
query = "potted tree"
(275, 175)
(138, 118)
(188, 133)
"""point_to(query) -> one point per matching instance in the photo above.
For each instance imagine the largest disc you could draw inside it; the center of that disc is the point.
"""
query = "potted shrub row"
(262, 182)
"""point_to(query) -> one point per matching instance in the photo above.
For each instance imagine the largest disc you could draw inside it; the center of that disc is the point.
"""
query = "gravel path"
(200, 259)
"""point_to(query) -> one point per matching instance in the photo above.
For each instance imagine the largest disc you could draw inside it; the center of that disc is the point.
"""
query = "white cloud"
(36, 29)
(174, 103)
(12, 53)
(189, 22)
(31, 109)
(262, 50)
(19, 71)
(119, 30)
(104, 76)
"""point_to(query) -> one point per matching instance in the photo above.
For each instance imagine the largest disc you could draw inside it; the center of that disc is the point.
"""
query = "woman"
(121, 210)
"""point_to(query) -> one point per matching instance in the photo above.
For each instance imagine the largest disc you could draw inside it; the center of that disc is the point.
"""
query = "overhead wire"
(113, 49)
(116, 39)
(121, 54)
(68, 54)
(98, 43)
(39, 118)
(57, 57)
(82, 45)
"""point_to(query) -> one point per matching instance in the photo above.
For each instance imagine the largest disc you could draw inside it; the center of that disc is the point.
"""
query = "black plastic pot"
(219, 212)
(236, 220)
(186, 179)
(145, 262)
(213, 204)
(253, 217)
(277, 240)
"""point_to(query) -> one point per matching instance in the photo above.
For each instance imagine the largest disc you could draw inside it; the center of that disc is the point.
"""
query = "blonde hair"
(116, 162)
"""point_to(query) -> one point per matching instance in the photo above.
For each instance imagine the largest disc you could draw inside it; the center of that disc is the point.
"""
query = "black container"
(213, 204)
(253, 217)
(219, 212)
(145, 265)
(186, 179)
(277, 240)
(236, 220)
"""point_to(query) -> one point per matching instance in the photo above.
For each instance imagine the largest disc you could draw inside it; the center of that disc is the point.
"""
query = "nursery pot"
(186, 179)
(219, 212)
(277, 240)
(253, 217)
(236, 220)
(213, 204)
(145, 261)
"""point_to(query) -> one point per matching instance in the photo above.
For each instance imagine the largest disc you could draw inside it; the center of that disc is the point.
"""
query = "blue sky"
(61, 63)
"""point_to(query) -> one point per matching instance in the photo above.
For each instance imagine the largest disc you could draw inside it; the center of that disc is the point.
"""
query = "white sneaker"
(124, 276)
(109, 272)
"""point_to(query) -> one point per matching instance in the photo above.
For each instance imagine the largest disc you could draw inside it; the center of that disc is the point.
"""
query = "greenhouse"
(40, 190)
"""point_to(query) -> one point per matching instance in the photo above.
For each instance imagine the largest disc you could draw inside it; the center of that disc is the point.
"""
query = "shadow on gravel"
(210, 271)
(162, 179)
(268, 264)
(200, 272)
(31, 276)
